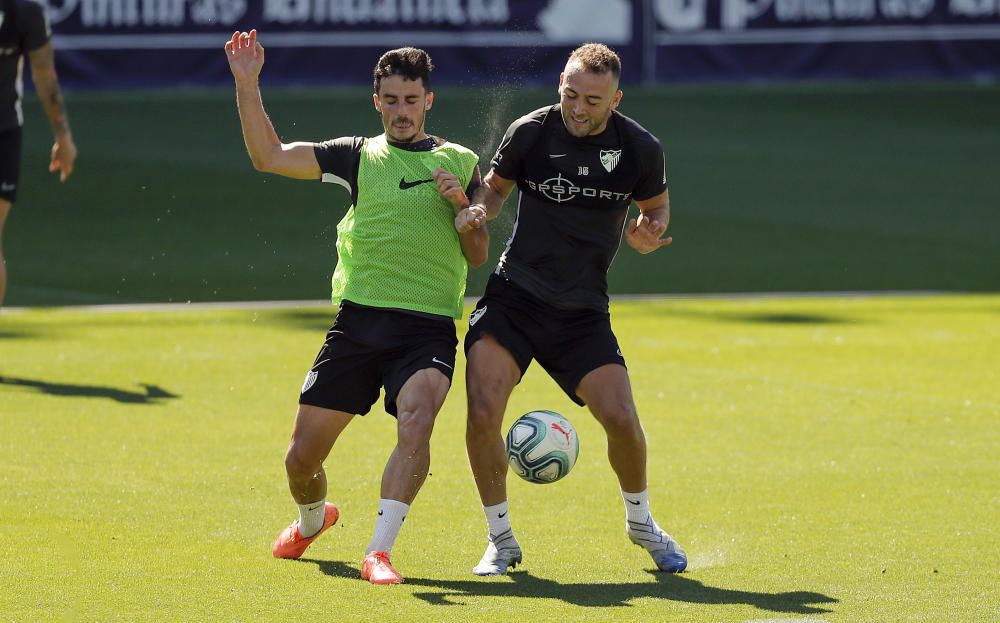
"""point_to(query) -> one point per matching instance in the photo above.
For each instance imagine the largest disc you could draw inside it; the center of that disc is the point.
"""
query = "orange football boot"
(291, 544)
(377, 569)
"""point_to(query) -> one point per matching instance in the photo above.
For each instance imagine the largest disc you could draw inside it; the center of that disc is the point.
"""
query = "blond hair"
(596, 58)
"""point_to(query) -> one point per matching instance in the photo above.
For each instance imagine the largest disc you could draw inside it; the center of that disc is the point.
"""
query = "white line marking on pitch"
(167, 307)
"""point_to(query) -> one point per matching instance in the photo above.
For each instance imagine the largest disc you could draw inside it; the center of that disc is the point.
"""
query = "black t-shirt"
(574, 197)
(23, 29)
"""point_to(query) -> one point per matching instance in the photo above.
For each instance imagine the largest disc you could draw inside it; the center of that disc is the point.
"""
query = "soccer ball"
(542, 446)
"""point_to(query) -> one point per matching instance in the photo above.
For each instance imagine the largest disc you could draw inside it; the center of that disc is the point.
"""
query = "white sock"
(311, 517)
(637, 506)
(391, 515)
(498, 519)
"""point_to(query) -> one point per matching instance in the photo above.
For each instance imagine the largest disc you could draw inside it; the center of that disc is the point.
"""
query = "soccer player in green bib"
(399, 282)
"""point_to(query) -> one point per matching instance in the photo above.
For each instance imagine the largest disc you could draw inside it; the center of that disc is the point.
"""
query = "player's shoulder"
(541, 114)
(27, 9)
(30, 5)
(453, 146)
(635, 133)
(533, 121)
(342, 142)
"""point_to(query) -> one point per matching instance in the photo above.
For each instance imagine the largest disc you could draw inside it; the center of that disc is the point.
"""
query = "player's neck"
(425, 144)
(417, 138)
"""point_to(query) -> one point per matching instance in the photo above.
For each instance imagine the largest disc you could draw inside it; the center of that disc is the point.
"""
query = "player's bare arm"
(488, 198)
(644, 234)
(43, 71)
(475, 240)
(296, 160)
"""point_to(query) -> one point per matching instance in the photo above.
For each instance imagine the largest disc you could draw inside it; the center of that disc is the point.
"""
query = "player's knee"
(298, 464)
(484, 420)
(620, 419)
(415, 426)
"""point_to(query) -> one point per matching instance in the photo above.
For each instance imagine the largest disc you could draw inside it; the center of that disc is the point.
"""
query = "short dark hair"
(597, 58)
(410, 63)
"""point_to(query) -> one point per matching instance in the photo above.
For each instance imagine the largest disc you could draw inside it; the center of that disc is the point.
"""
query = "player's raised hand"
(643, 234)
(450, 189)
(245, 55)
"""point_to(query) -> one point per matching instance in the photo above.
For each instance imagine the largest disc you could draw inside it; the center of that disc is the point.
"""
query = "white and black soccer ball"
(542, 446)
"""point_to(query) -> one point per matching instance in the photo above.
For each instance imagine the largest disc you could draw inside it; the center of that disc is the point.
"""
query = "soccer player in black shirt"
(578, 166)
(24, 29)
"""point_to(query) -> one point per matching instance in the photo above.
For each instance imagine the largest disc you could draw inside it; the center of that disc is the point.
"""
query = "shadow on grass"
(791, 318)
(152, 395)
(666, 586)
(317, 320)
(770, 317)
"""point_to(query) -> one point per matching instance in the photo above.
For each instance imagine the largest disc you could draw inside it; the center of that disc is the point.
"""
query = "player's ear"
(562, 78)
(378, 106)
(429, 101)
(617, 100)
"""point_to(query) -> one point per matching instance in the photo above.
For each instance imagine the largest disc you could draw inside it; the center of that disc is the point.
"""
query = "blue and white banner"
(127, 43)
(122, 43)
(701, 40)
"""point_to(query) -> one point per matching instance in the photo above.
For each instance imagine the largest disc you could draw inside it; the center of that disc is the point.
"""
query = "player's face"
(587, 99)
(403, 105)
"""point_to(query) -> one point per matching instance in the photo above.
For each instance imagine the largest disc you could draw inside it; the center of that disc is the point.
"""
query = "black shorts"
(568, 344)
(369, 348)
(10, 163)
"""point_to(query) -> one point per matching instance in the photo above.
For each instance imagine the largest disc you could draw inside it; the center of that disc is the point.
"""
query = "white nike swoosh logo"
(556, 155)
(436, 360)
(7, 187)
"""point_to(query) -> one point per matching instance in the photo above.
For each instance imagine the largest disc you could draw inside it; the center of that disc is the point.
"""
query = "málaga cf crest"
(610, 158)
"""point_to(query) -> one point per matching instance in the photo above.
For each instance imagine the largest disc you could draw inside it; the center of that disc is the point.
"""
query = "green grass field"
(821, 459)
(874, 187)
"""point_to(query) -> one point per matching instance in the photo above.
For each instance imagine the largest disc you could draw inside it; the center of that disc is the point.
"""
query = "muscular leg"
(608, 395)
(491, 375)
(418, 404)
(316, 430)
(4, 211)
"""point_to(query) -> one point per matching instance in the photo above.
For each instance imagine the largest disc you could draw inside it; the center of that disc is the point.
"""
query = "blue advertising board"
(130, 43)
(701, 40)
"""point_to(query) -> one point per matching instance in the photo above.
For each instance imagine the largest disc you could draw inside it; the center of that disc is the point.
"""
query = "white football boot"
(502, 553)
(666, 553)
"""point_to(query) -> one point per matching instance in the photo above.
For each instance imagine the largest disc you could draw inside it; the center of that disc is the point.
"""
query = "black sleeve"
(32, 25)
(338, 159)
(520, 137)
(474, 182)
(653, 178)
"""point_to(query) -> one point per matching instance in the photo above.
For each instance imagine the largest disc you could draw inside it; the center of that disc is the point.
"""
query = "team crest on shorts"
(476, 315)
(610, 158)
(310, 379)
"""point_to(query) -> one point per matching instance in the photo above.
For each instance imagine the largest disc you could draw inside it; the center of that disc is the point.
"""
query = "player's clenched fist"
(245, 55)
(450, 189)
(470, 218)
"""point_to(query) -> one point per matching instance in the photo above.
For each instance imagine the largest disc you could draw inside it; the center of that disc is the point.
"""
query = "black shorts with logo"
(568, 344)
(370, 348)
(10, 163)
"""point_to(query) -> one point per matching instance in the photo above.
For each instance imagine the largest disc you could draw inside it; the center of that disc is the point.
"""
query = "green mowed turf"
(833, 187)
(826, 459)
